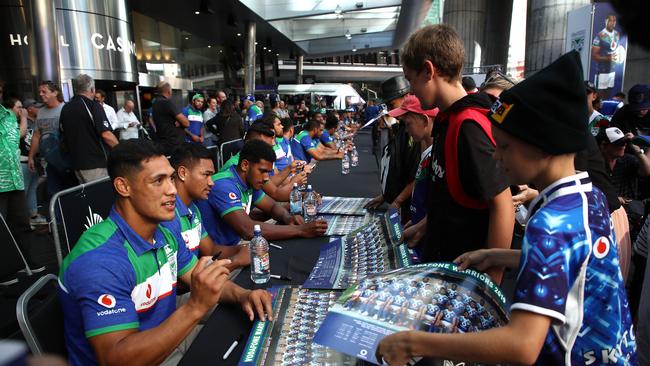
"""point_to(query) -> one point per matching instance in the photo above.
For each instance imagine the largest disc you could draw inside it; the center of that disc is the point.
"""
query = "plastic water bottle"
(345, 164)
(354, 160)
(260, 264)
(521, 213)
(295, 200)
(309, 205)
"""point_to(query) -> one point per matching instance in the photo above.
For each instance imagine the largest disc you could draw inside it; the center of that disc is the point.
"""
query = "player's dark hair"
(311, 125)
(620, 95)
(101, 92)
(255, 151)
(270, 118)
(287, 123)
(258, 128)
(127, 157)
(331, 122)
(188, 155)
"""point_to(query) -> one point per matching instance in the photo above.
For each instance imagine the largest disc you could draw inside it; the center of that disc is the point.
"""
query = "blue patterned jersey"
(607, 43)
(569, 271)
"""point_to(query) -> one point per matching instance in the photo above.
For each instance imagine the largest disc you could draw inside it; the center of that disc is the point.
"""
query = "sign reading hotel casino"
(96, 44)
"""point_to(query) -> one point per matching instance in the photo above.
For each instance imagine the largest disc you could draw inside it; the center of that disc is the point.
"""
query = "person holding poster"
(604, 51)
(570, 305)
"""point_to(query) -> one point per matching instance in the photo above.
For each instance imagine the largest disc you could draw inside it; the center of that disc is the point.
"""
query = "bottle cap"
(257, 228)
(309, 186)
(295, 184)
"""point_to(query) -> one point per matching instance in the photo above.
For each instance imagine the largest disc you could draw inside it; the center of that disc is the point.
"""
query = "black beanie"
(547, 110)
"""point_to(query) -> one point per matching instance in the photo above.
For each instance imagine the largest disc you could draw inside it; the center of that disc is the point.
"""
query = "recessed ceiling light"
(197, 12)
(256, 43)
(354, 50)
(238, 34)
(114, 85)
(269, 50)
(220, 51)
(264, 47)
(186, 38)
(338, 9)
(209, 46)
(277, 54)
(348, 35)
(173, 60)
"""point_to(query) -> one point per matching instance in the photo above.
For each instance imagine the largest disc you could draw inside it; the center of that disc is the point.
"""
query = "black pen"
(216, 256)
(283, 278)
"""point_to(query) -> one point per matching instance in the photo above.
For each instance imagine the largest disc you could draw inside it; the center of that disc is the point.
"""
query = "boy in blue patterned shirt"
(570, 306)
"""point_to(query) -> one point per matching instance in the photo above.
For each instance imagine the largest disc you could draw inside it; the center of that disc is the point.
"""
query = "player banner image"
(343, 225)
(373, 248)
(288, 339)
(432, 297)
(343, 206)
(608, 51)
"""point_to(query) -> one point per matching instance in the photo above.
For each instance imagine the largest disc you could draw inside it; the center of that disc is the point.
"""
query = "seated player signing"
(194, 170)
(239, 188)
(118, 284)
(280, 182)
(309, 147)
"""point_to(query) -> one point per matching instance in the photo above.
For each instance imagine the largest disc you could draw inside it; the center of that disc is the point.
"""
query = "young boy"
(569, 306)
(469, 203)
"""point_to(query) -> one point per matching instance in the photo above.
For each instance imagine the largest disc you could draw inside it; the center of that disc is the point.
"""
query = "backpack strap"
(454, 185)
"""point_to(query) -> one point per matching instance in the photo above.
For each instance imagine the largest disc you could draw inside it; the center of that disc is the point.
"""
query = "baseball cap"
(197, 96)
(412, 104)
(641, 141)
(613, 135)
(31, 103)
(249, 97)
(639, 97)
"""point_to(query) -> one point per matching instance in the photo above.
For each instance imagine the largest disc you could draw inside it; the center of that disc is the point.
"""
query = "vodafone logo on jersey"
(601, 247)
(107, 301)
(148, 292)
(232, 196)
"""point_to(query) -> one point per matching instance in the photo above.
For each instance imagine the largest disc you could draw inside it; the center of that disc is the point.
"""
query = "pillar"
(469, 18)
(44, 50)
(299, 68)
(249, 58)
(546, 30)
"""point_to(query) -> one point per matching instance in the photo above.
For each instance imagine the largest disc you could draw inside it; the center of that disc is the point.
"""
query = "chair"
(228, 149)
(12, 259)
(76, 209)
(40, 317)
(214, 151)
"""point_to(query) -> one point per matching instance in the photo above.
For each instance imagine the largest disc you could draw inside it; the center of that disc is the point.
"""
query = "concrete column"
(299, 68)
(636, 67)
(546, 30)
(469, 18)
(249, 58)
(44, 50)
(499, 19)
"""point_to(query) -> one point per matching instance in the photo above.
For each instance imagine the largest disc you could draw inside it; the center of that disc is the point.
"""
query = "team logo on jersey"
(107, 301)
(601, 247)
(232, 196)
(500, 110)
(92, 219)
(148, 292)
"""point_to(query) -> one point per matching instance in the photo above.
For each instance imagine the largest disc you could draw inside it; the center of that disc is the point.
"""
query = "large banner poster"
(608, 51)
(578, 34)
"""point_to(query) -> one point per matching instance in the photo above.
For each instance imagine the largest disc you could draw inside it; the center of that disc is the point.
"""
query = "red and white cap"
(412, 104)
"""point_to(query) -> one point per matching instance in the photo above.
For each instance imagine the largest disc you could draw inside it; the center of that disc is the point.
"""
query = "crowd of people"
(461, 162)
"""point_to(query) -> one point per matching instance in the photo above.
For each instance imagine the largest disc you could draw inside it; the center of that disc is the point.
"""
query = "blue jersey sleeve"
(258, 194)
(553, 253)
(101, 288)
(225, 197)
(326, 138)
(307, 143)
(186, 111)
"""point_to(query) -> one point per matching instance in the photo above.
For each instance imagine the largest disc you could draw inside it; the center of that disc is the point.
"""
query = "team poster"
(433, 297)
(608, 51)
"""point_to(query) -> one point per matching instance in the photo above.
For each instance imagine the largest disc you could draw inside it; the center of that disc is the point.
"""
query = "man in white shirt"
(127, 122)
(100, 97)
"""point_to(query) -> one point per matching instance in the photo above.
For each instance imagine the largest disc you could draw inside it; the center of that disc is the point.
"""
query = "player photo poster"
(608, 51)
(432, 297)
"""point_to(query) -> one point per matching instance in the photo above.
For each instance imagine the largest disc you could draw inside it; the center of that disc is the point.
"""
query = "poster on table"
(607, 41)
(432, 297)
(372, 248)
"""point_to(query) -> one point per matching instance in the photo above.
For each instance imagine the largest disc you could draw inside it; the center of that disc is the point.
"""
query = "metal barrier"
(78, 208)
(230, 148)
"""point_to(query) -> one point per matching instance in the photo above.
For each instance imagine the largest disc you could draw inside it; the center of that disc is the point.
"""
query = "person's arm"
(519, 342)
(243, 225)
(484, 259)
(22, 119)
(182, 120)
(275, 192)
(280, 176)
(404, 195)
(596, 56)
(238, 254)
(644, 161)
(109, 138)
(502, 220)
(413, 234)
(202, 136)
(33, 150)
(325, 154)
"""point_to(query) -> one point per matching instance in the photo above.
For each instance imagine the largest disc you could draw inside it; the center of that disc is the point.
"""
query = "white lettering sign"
(114, 44)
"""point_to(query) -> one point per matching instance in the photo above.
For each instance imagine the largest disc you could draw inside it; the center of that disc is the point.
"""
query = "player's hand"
(196, 138)
(394, 204)
(408, 224)
(208, 281)
(481, 260)
(613, 56)
(375, 202)
(300, 178)
(243, 257)
(314, 228)
(298, 220)
(525, 194)
(23, 113)
(624, 201)
(307, 168)
(413, 235)
(257, 302)
(395, 349)
(339, 155)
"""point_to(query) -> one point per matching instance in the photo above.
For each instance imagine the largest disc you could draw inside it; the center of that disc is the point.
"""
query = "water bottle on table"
(260, 263)
(295, 200)
(309, 205)
(345, 164)
(354, 159)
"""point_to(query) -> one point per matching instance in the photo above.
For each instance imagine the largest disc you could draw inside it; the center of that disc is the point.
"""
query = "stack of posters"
(373, 248)
(343, 206)
(288, 339)
(432, 297)
(343, 225)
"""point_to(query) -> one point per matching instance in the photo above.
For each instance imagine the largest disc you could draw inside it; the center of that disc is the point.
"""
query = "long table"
(295, 260)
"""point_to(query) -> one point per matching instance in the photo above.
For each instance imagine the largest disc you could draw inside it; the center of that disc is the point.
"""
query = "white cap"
(257, 228)
(614, 135)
